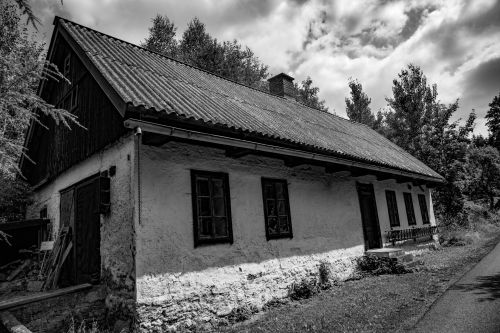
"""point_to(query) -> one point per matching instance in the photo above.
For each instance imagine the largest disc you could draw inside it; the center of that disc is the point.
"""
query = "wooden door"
(87, 232)
(369, 216)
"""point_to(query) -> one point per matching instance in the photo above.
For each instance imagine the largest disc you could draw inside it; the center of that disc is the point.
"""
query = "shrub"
(377, 266)
(303, 289)
(241, 313)
(274, 303)
(324, 276)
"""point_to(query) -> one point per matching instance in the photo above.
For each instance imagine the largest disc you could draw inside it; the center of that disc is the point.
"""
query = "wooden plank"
(61, 263)
(22, 300)
(10, 263)
(237, 152)
(18, 270)
(12, 324)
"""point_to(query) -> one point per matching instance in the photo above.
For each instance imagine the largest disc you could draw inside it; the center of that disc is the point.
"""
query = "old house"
(189, 195)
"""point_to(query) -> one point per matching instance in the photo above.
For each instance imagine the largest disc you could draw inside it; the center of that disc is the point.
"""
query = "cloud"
(454, 41)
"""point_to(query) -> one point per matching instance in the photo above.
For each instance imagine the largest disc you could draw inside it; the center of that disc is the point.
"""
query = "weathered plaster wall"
(383, 213)
(179, 283)
(117, 227)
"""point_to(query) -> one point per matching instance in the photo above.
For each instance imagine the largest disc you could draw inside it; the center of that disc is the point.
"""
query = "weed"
(324, 276)
(303, 289)
(378, 266)
(274, 303)
(241, 313)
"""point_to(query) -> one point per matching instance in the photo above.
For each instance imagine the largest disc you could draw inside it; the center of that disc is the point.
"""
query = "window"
(276, 208)
(67, 65)
(74, 97)
(211, 207)
(423, 208)
(410, 212)
(392, 207)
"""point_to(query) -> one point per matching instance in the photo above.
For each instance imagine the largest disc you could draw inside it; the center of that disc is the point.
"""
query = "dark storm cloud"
(480, 86)
(451, 46)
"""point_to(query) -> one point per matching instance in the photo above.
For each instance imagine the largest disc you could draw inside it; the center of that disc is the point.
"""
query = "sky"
(455, 42)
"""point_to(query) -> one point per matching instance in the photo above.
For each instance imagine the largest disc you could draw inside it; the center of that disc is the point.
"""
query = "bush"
(241, 314)
(324, 276)
(377, 266)
(303, 289)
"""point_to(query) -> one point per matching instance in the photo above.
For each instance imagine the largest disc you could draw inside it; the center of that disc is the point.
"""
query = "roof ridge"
(204, 70)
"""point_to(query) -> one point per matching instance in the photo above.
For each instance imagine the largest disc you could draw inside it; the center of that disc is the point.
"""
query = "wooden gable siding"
(56, 148)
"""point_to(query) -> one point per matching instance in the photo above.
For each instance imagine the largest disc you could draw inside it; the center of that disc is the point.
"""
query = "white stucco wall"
(117, 233)
(175, 279)
(399, 189)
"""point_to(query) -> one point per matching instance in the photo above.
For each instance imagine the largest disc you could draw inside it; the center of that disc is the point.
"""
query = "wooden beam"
(12, 324)
(293, 162)
(381, 177)
(153, 139)
(237, 152)
(360, 172)
(16, 301)
(337, 168)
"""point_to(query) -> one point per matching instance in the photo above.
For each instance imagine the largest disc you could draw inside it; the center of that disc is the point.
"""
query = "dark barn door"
(369, 216)
(87, 232)
(80, 212)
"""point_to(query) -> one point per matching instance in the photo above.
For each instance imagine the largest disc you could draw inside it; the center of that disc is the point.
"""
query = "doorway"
(369, 216)
(79, 209)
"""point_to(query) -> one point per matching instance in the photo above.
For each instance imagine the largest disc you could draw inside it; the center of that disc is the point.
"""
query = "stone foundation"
(205, 299)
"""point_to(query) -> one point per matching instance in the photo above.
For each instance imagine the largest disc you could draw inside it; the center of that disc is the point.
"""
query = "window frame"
(410, 211)
(396, 211)
(264, 181)
(422, 198)
(74, 98)
(67, 66)
(227, 201)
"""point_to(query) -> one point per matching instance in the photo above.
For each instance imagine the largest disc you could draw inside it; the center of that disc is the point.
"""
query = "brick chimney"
(282, 85)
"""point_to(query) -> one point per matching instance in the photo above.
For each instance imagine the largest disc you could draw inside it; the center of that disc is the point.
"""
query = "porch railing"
(413, 233)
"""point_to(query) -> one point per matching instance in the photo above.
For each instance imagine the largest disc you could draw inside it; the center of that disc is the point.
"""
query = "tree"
(308, 95)
(493, 121)
(22, 67)
(419, 123)
(358, 106)
(197, 48)
(161, 37)
(483, 174)
(413, 105)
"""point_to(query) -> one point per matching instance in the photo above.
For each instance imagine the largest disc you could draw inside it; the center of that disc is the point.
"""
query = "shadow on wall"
(486, 286)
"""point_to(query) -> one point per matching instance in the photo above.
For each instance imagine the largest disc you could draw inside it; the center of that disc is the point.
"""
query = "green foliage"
(493, 121)
(358, 105)
(304, 289)
(377, 266)
(196, 47)
(241, 313)
(161, 37)
(22, 67)
(14, 197)
(419, 123)
(482, 178)
(308, 95)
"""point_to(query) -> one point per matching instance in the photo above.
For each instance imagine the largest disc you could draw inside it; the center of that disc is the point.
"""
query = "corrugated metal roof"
(144, 78)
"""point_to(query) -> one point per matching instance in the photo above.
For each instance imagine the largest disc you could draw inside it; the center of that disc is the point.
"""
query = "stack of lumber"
(53, 262)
